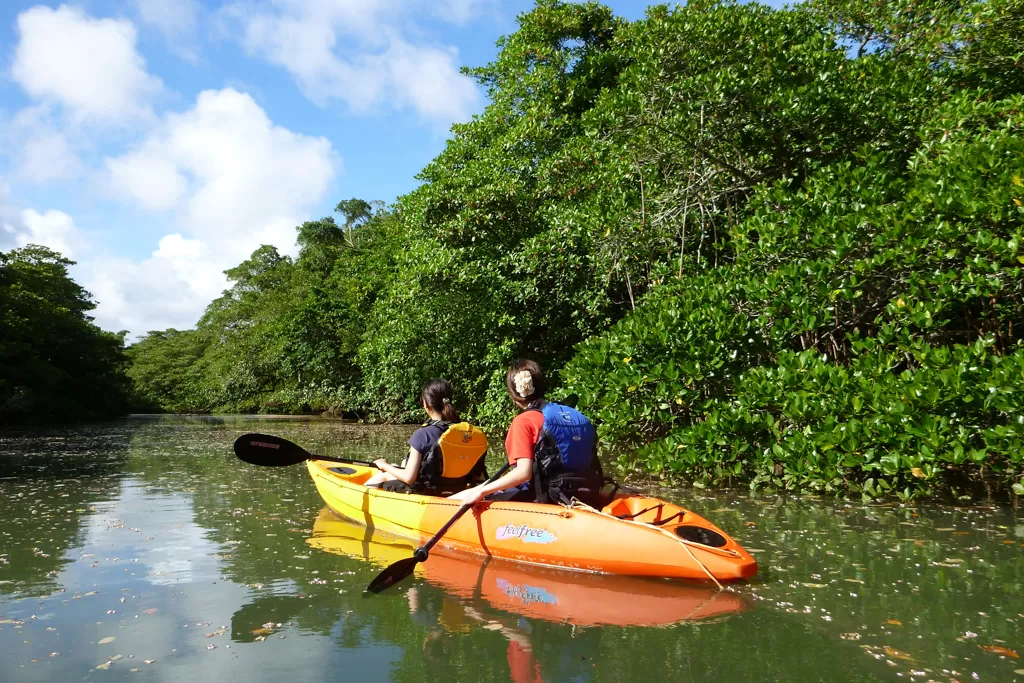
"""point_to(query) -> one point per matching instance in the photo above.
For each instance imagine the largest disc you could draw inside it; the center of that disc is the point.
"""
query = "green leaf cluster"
(777, 246)
(55, 364)
(865, 338)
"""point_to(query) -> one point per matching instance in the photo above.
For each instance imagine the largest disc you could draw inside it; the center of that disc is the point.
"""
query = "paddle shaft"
(397, 571)
(462, 510)
(332, 458)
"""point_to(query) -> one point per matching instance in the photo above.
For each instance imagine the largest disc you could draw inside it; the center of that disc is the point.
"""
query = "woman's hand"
(381, 463)
(469, 496)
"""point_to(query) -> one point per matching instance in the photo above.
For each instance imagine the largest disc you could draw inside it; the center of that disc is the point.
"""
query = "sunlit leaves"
(885, 311)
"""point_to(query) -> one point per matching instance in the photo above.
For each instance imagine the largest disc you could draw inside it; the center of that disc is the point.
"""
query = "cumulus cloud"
(168, 289)
(90, 66)
(154, 181)
(10, 219)
(41, 149)
(47, 156)
(86, 78)
(177, 20)
(53, 229)
(226, 169)
(351, 50)
(462, 11)
(232, 180)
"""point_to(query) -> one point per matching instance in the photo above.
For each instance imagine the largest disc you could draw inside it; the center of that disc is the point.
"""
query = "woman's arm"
(408, 474)
(520, 474)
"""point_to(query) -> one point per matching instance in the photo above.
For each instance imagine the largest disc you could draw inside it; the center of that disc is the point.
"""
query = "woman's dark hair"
(437, 394)
(534, 400)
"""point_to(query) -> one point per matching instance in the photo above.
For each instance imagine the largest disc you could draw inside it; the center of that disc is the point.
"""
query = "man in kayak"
(552, 446)
(445, 455)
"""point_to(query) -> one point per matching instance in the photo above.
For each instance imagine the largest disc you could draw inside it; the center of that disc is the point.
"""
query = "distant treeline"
(778, 247)
(55, 364)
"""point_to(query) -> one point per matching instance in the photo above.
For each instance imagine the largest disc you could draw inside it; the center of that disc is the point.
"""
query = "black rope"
(669, 519)
(637, 514)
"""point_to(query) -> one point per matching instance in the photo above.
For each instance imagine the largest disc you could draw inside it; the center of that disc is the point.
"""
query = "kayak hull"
(578, 538)
(583, 599)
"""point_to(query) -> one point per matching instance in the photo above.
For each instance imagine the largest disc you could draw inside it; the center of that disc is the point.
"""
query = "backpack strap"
(443, 426)
(539, 491)
(429, 460)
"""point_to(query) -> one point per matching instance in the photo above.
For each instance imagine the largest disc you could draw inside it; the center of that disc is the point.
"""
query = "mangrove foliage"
(772, 246)
(55, 364)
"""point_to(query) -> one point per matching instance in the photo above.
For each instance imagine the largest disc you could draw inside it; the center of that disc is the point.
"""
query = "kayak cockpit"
(353, 473)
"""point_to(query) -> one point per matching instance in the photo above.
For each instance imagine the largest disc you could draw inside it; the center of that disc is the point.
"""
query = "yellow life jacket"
(456, 461)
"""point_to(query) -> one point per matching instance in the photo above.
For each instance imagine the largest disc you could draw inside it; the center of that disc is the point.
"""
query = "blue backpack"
(565, 456)
(569, 439)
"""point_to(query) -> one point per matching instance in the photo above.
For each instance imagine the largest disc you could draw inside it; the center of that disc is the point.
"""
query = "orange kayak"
(532, 591)
(632, 535)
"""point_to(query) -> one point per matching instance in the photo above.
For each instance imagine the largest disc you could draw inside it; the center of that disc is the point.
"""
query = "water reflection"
(146, 541)
(491, 595)
(51, 484)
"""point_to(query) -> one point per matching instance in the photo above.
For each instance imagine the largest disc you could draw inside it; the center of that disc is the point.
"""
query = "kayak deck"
(660, 539)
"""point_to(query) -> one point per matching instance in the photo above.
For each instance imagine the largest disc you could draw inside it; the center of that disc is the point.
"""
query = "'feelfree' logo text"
(525, 533)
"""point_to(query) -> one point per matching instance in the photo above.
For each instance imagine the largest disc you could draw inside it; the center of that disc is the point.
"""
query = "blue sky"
(158, 142)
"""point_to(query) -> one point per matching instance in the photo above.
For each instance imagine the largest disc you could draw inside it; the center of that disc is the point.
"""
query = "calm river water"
(144, 550)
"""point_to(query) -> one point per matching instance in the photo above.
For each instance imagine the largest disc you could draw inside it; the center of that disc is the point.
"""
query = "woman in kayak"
(436, 397)
(552, 447)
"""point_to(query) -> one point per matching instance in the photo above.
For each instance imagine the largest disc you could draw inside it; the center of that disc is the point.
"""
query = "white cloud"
(177, 20)
(47, 156)
(40, 149)
(88, 65)
(53, 229)
(10, 219)
(461, 11)
(429, 79)
(233, 181)
(227, 169)
(354, 51)
(168, 289)
(148, 177)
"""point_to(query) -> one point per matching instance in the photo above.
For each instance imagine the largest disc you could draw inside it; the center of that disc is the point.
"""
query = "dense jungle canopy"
(778, 247)
(55, 364)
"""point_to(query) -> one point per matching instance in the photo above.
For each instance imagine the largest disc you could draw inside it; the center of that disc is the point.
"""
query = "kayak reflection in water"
(456, 618)
(551, 619)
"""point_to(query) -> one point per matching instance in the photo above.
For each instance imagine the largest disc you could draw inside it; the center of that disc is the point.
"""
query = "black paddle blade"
(393, 574)
(268, 450)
